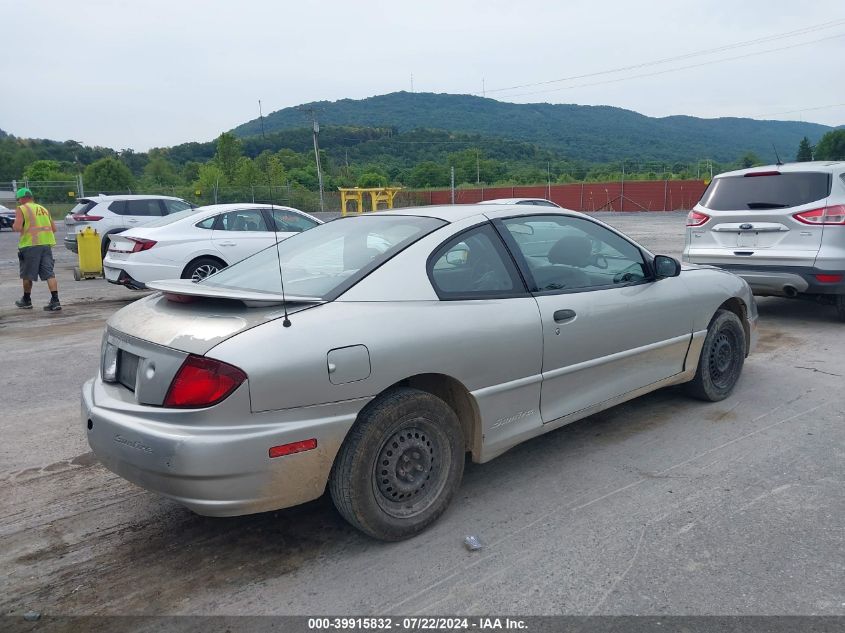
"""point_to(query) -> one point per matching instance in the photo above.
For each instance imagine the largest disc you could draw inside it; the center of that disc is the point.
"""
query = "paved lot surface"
(660, 506)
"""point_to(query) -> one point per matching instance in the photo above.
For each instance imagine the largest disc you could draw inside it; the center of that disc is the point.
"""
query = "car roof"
(456, 212)
(828, 166)
(129, 196)
(515, 200)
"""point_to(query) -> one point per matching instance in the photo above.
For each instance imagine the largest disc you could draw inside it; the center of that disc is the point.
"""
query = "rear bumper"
(215, 461)
(70, 242)
(787, 281)
(120, 277)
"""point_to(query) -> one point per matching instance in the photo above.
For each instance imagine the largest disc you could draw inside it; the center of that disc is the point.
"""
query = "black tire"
(399, 466)
(840, 307)
(201, 268)
(722, 358)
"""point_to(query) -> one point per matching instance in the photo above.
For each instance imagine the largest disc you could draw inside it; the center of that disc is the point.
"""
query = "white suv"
(781, 228)
(114, 214)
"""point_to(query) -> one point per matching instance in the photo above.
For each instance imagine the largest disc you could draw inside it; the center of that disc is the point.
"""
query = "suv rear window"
(761, 193)
(82, 207)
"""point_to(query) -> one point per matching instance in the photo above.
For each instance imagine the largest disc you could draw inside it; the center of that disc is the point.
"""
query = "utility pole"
(453, 185)
(412, 82)
(477, 169)
(315, 126)
(549, 171)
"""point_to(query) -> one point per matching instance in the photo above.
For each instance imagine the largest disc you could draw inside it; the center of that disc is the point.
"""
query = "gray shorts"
(36, 261)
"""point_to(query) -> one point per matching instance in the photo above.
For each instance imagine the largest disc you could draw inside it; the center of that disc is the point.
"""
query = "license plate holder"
(127, 369)
(746, 239)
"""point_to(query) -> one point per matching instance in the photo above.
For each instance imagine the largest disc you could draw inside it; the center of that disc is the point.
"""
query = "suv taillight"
(81, 217)
(827, 215)
(694, 218)
(141, 244)
(202, 382)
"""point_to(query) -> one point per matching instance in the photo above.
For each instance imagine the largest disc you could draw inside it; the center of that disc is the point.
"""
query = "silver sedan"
(370, 354)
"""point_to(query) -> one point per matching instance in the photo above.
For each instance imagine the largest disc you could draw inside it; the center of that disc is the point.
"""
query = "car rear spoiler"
(186, 291)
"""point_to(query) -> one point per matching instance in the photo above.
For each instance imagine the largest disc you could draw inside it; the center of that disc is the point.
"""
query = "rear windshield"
(82, 207)
(760, 193)
(328, 259)
(173, 217)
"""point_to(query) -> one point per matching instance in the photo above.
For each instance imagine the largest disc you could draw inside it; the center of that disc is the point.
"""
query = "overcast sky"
(156, 73)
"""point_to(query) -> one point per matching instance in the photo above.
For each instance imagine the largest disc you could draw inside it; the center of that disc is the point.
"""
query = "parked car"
(110, 215)
(537, 202)
(370, 353)
(7, 217)
(196, 243)
(780, 227)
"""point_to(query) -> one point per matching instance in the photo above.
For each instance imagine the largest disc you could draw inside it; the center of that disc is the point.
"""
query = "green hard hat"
(23, 192)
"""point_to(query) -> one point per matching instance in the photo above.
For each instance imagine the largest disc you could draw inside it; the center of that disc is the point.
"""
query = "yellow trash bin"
(90, 258)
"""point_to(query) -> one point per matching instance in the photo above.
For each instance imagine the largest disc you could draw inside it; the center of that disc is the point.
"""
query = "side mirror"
(665, 266)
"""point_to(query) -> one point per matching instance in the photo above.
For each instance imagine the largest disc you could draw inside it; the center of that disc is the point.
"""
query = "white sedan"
(196, 243)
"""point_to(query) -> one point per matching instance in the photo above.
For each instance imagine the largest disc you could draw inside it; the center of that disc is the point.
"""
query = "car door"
(241, 233)
(608, 326)
(486, 302)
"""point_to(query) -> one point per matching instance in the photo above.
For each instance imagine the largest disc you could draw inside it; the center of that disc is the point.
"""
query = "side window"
(208, 223)
(290, 222)
(246, 220)
(118, 207)
(143, 208)
(175, 206)
(474, 265)
(567, 253)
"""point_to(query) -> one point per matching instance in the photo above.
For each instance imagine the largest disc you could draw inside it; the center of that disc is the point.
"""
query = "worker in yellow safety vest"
(35, 249)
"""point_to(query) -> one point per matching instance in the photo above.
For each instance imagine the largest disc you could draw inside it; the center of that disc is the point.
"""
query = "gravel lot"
(659, 506)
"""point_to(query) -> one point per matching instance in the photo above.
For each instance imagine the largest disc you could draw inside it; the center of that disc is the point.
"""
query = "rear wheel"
(201, 268)
(399, 466)
(840, 307)
(722, 358)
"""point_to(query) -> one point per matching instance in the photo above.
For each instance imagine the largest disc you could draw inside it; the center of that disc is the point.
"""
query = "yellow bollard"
(90, 258)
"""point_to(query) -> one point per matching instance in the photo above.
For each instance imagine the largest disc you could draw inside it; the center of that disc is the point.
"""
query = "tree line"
(282, 165)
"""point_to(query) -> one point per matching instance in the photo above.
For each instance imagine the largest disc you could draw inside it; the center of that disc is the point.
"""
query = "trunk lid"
(752, 217)
(147, 341)
(193, 318)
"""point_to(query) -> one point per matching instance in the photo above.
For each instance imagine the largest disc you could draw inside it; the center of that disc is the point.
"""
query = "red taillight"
(86, 218)
(293, 447)
(828, 279)
(141, 244)
(762, 173)
(694, 218)
(834, 215)
(202, 382)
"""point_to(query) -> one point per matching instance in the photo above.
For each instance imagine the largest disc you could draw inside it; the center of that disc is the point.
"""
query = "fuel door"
(348, 364)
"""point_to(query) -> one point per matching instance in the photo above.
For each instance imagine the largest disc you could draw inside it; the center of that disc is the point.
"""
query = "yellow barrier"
(377, 195)
(90, 256)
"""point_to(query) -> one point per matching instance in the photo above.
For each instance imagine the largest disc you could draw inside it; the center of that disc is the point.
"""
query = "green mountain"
(588, 133)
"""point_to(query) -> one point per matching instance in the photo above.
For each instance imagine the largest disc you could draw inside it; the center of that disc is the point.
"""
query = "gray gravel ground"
(659, 506)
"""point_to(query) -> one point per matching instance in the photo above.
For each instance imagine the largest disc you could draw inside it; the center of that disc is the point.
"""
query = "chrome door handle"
(227, 244)
(563, 315)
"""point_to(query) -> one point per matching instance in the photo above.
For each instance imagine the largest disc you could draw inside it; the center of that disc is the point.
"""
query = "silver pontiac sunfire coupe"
(399, 342)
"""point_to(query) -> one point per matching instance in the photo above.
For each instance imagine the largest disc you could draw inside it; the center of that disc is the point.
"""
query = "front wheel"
(721, 360)
(400, 465)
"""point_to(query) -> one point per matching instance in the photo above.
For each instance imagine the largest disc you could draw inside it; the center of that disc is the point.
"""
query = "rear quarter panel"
(479, 343)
